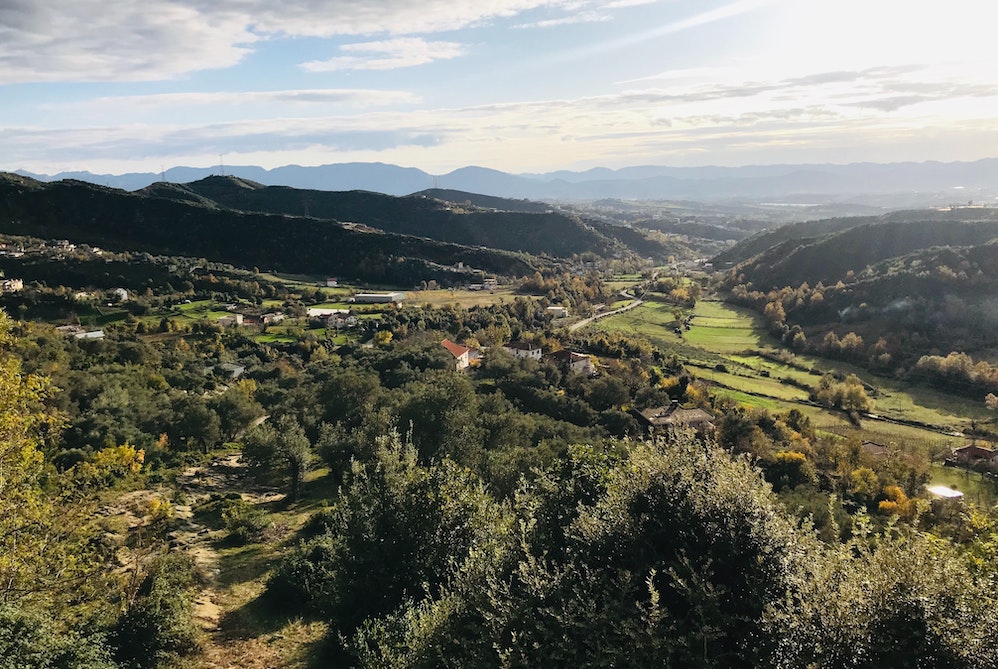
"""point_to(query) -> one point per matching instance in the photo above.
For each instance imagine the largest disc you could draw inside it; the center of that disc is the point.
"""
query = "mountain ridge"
(921, 183)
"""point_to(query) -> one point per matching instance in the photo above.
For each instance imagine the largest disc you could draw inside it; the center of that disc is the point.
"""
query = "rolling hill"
(176, 221)
(827, 251)
(546, 232)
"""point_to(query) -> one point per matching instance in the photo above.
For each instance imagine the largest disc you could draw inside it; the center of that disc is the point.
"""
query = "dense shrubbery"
(159, 623)
(665, 554)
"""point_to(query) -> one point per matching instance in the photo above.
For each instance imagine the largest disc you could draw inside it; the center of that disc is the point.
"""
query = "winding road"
(586, 321)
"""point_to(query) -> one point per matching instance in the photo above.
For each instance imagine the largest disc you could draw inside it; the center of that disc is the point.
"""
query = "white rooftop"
(944, 491)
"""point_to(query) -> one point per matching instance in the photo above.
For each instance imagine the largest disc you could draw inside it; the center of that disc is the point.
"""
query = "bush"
(159, 625)
(30, 641)
(244, 521)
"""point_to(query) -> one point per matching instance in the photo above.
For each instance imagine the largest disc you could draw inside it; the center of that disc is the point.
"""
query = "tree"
(237, 409)
(399, 532)
(669, 555)
(283, 444)
(30, 640)
(44, 553)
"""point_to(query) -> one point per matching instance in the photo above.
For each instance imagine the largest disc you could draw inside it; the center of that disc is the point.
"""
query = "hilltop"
(910, 294)
(549, 232)
(177, 221)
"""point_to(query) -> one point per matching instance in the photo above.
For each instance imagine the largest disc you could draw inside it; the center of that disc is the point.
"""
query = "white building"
(557, 312)
(524, 349)
(379, 298)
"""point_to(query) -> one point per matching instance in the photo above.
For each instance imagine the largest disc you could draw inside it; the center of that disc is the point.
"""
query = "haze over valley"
(533, 333)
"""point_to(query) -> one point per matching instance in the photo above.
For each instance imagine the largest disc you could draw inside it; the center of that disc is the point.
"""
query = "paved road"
(586, 321)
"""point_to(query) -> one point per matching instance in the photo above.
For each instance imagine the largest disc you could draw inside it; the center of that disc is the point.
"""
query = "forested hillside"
(546, 231)
(913, 297)
(114, 219)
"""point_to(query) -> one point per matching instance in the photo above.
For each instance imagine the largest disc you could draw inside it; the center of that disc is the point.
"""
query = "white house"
(11, 285)
(464, 356)
(524, 349)
(557, 312)
(575, 362)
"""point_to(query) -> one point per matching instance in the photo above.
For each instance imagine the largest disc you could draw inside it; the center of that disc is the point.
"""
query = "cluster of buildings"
(236, 319)
(333, 319)
(656, 420)
(467, 356)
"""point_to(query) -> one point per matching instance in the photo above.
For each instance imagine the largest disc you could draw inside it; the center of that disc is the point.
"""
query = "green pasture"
(750, 400)
(975, 487)
(724, 329)
(721, 333)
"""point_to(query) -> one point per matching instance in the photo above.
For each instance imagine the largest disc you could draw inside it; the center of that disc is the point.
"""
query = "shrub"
(159, 625)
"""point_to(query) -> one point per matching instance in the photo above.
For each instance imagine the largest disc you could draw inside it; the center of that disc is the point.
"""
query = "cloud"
(90, 40)
(146, 40)
(301, 97)
(278, 135)
(387, 55)
(578, 17)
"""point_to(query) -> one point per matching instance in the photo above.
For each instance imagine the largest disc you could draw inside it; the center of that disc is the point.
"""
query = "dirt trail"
(222, 475)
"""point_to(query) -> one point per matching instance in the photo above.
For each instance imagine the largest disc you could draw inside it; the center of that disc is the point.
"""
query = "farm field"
(724, 329)
(462, 298)
(723, 347)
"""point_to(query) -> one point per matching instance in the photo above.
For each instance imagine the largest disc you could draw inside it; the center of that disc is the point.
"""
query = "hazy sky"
(516, 85)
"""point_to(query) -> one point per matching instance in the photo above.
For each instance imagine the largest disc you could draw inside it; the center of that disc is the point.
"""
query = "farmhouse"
(660, 420)
(233, 370)
(873, 449)
(975, 456)
(232, 321)
(91, 334)
(574, 362)
(379, 298)
(524, 349)
(11, 285)
(464, 356)
(557, 312)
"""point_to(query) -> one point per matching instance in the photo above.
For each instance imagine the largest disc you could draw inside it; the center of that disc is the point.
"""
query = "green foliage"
(668, 557)
(159, 623)
(282, 444)
(29, 640)
(900, 600)
(244, 521)
(847, 395)
(45, 554)
(397, 533)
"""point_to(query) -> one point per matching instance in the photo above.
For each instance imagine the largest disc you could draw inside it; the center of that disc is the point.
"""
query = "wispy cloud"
(387, 55)
(301, 97)
(147, 40)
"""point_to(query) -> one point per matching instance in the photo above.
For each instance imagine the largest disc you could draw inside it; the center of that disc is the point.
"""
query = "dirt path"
(223, 475)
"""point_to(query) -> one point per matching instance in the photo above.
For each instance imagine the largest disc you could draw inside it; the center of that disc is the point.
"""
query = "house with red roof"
(464, 356)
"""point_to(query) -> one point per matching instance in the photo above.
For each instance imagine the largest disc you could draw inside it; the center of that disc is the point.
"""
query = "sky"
(522, 86)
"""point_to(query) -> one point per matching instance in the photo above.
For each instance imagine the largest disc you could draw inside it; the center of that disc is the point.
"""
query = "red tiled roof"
(455, 349)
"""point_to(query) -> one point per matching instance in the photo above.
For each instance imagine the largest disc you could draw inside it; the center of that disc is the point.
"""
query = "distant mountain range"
(890, 185)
